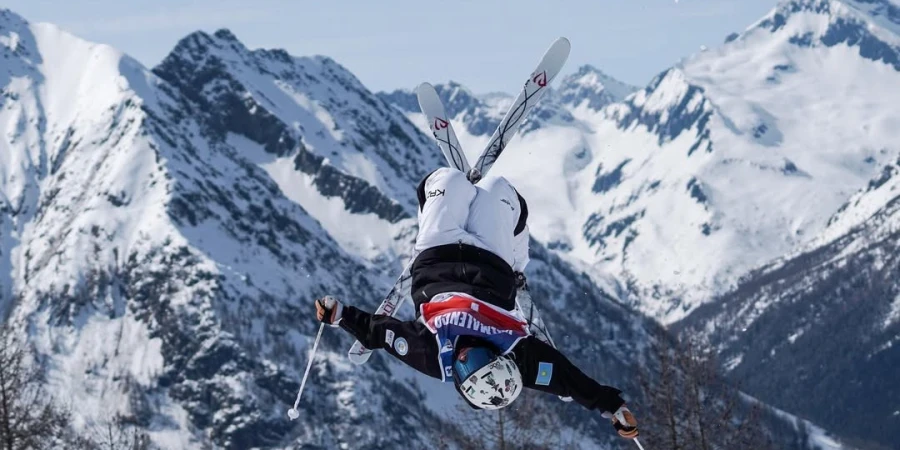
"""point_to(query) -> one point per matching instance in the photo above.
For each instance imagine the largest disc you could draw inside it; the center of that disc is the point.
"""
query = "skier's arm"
(418, 349)
(545, 369)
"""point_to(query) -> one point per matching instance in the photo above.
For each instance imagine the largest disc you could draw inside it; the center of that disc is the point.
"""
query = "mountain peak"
(225, 34)
(884, 13)
(870, 26)
(202, 43)
(7, 14)
(588, 69)
(591, 85)
(456, 97)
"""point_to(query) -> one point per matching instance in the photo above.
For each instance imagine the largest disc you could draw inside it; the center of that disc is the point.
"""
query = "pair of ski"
(433, 108)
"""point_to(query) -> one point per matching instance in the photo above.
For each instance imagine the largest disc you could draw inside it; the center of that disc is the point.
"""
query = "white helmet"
(486, 380)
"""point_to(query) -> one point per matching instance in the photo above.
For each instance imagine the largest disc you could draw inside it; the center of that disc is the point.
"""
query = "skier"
(472, 248)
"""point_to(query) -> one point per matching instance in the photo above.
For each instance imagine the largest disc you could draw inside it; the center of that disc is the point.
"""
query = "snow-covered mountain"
(162, 273)
(759, 143)
(475, 117)
(593, 89)
(736, 156)
(824, 320)
(824, 317)
(162, 235)
(163, 232)
(758, 176)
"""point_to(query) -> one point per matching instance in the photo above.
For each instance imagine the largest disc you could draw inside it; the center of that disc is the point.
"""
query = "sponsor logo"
(489, 379)
(545, 374)
(540, 79)
(436, 193)
(508, 203)
(448, 372)
(389, 337)
(448, 346)
(465, 320)
(401, 346)
(440, 124)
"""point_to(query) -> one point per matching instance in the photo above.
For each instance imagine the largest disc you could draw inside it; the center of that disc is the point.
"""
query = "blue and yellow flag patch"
(545, 373)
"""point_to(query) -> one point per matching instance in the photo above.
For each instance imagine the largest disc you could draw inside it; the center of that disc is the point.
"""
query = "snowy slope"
(780, 145)
(826, 319)
(162, 233)
(159, 270)
(355, 151)
(734, 157)
(162, 241)
(741, 171)
(823, 317)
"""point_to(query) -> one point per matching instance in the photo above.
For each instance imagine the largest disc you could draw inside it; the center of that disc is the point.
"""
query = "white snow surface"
(735, 157)
(666, 195)
(819, 438)
(71, 147)
(163, 271)
(112, 240)
(894, 314)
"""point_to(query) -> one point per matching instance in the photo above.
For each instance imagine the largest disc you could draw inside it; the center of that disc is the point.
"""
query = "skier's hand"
(328, 310)
(625, 423)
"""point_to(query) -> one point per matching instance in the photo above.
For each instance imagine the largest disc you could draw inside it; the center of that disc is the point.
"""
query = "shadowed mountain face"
(826, 320)
(284, 104)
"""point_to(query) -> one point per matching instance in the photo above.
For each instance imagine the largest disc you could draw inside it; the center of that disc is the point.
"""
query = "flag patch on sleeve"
(545, 373)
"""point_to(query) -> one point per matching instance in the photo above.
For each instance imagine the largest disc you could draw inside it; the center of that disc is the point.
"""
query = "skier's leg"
(444, 199)
(497, 217)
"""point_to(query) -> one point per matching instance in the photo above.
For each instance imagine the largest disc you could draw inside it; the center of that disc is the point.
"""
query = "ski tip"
(562, 44)
(426, 86)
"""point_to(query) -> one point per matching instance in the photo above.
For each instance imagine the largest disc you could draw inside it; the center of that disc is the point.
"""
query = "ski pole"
(293, 413)
(636, 441)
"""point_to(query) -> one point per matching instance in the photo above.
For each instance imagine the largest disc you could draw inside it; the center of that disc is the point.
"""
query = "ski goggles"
(470, 360)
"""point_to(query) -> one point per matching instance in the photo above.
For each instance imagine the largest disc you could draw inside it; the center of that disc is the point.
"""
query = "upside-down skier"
(472, 247)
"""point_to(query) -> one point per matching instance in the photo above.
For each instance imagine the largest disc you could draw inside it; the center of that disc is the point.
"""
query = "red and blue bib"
(452, 315)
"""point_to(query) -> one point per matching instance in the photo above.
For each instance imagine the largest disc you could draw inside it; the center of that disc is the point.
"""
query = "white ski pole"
(293, 413)
(636, 441)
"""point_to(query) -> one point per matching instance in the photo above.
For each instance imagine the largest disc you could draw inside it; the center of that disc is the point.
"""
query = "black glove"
(625, 423)
(328, 310)
(521, 282)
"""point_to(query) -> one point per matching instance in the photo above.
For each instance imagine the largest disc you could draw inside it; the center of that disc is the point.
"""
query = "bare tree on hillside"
(688, 405)
(520, 426)
(28, 417)
(114, 434)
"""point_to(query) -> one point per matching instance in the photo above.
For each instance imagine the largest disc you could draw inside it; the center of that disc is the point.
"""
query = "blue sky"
(486, 45)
